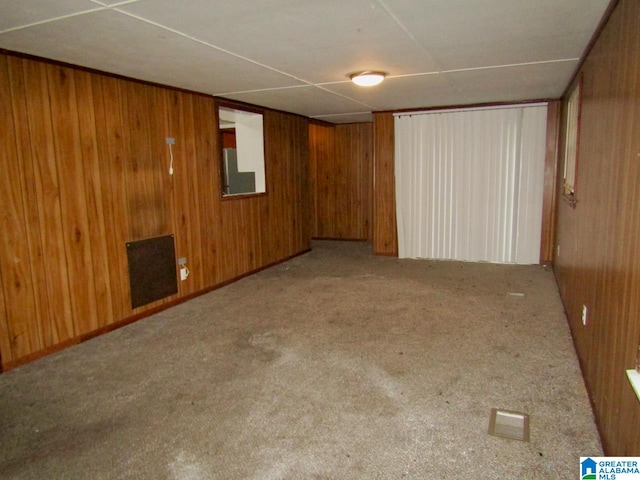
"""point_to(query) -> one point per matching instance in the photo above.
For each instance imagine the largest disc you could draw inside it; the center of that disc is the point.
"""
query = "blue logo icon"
(588, 469)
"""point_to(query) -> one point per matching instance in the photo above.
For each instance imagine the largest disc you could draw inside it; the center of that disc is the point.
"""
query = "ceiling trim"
(417, 111)
(594, 38)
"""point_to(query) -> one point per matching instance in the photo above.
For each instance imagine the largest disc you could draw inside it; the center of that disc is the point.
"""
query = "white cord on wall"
(171, 141)
(171, 164)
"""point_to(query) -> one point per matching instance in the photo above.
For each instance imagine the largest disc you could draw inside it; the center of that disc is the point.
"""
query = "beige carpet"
(334, 365)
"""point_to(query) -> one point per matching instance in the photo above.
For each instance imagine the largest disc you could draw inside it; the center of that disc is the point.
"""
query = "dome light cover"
(368, 78)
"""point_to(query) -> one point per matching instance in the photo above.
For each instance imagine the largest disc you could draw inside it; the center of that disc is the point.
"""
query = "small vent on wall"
(152, 269)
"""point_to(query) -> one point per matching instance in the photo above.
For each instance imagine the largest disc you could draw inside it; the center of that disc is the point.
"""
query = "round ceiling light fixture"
(368, 78)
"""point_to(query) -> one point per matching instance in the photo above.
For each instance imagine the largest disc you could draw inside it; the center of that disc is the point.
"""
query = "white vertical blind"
(469, 184)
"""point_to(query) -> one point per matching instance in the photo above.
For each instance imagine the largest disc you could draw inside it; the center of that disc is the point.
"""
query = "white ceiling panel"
(403, 92)
(307, 101)
(295, 55)
(120, 44)
(526, 82)
(318, 41)
(18, 13)
(464, 34)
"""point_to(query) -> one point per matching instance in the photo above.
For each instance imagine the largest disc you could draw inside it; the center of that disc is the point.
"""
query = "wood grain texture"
(73, 205)
(45, 185)
(207, 169)
(598, 263)
(86, 163)
(184, 181)
(113, 152)
(23, 151)
(14, 251)
(549, 198)
(385, 235)
(341, 172)
(148, 163)
(97, 230)
(287, 203)
(320, 148)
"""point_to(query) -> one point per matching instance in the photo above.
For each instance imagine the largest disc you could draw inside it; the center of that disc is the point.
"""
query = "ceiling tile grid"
(296, 55)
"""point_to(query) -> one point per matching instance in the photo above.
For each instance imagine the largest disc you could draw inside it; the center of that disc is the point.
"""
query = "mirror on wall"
(242, 144)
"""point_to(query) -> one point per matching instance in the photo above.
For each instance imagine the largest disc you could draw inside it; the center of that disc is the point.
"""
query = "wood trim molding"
(468, 105)
(550, 191)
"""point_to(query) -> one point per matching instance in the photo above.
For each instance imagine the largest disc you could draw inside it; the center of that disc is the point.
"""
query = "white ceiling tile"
(120, 44)
(527, 82)
(470, 33)
(403, 92)
(305, 101)
(318, 41)
(32, 11)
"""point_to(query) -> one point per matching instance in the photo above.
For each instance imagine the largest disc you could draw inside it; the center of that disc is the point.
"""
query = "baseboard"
(4, 367)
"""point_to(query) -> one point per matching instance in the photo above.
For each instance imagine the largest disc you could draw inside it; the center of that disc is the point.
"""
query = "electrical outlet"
(585, 313)
(171, 141)
(182, 260)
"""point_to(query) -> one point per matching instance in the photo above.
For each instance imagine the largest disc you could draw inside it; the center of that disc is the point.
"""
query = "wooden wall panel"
(288, 201)
(187, 189)
(14, 251)
(550, 188)
(598, 239)
(94, 198)
(236, 243)
(320, 147)
(23, 151)
(207, 169)
(44, 186)
(86, 163)
(113, 152)
(148, 166)
(73, 205)
(385, 236)
(341, 159)
(321, 151)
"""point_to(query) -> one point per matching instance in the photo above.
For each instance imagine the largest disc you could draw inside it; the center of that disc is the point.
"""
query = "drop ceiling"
(296, 55)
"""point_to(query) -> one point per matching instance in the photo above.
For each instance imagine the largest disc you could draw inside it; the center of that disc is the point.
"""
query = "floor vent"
(506, 424)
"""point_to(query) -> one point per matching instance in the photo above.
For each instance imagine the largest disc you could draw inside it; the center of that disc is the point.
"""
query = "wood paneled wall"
(385, 233)
(598, 264)
(549, 194)
(85, 163)
(341, 162)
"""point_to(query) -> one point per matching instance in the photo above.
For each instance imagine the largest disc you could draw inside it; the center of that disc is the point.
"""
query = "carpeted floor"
(334, 365)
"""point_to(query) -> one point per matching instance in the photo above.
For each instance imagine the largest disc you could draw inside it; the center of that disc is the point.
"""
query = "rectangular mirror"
(242, 150)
